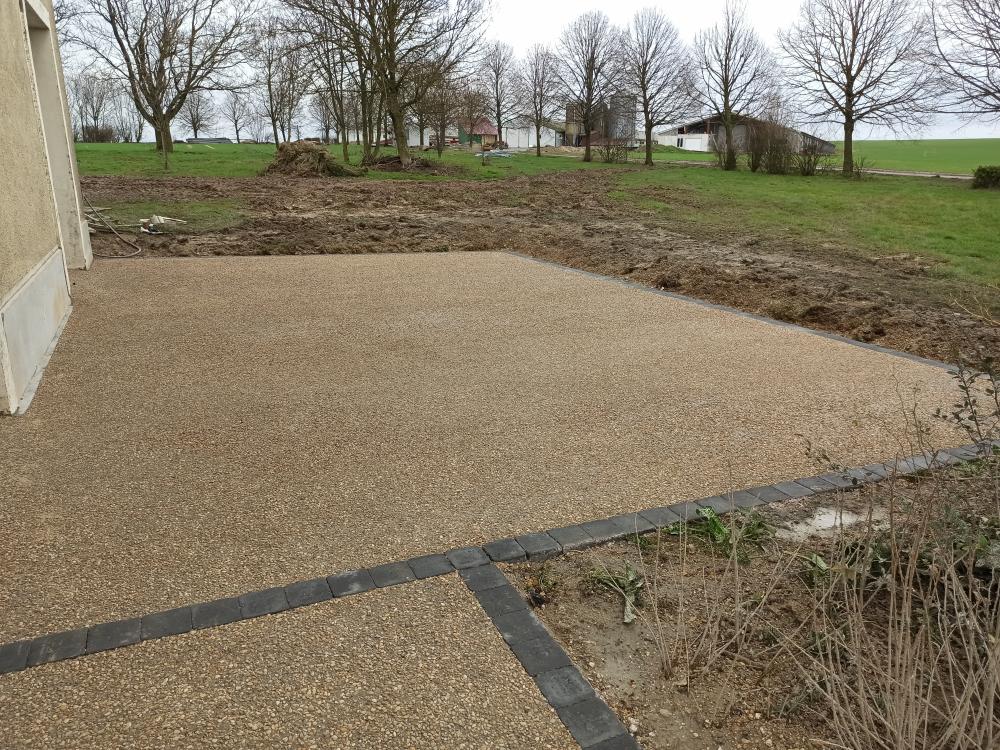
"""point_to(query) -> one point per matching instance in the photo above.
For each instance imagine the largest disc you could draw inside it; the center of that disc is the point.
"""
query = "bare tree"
(443, 103)
(860, 61)
(92, 94)
(499, 76)
(589, 55)
(321, 110)
(236, 111)
(659, 67)
(125, 118)
(471, 106)
(166, 49)
(967, 40)
(539, 84)
(199, 113)
(403, 45)
(281, 81)
(736, 78)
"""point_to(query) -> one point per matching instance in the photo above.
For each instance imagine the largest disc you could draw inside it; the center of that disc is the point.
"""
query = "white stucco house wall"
(42, 229)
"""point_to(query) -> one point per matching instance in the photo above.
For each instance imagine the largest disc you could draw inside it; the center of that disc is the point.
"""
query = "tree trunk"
(729, 162)
(848, 168)
(649, 143)
(165, 141)
(538, 139)
(237, 134)
(274, 131)
(343, 146)
(399, 132)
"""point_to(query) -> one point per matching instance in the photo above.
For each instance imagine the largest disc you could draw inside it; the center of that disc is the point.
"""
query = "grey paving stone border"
(583, 712)
(469, 561)
(736, 311)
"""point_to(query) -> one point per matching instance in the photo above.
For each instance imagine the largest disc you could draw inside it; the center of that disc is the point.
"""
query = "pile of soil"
(307, 159)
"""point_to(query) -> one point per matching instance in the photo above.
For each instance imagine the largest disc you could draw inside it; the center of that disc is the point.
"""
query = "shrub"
(986, 177)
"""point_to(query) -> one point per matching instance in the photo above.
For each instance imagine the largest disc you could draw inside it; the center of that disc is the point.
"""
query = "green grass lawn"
(198, 216)
(955, 156)
(247, 160)
(944, 220)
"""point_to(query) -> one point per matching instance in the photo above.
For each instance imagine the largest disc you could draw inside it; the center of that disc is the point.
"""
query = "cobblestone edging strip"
(541, 545)
(584, 713)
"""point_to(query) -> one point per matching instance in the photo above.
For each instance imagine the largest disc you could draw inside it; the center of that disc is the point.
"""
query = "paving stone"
(219, 612)
(539, 546)
(685, 511)
(468, 557)
(941, 459)
(816, 484)
(591, 722)
(505, 550)
(540, 655)
(965, 452)
(621, 742)
(603, 531)
(839, 479)
(768, 494)
(879, 470)
(564, 686)
(520, 625)
(660, 517)
(572, 537)
(500, 601)
(391, 574)
(109, 635)
(57, 646)
(716, 503)
(483, 577)
(429, 566)
(632, 524)
(266, 602)
(13, 656)
(793, 489)
(863, 475)
(302, 593)
(171, 622)
(350, 582)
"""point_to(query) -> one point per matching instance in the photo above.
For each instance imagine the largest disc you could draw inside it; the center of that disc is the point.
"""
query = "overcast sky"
(523, 23)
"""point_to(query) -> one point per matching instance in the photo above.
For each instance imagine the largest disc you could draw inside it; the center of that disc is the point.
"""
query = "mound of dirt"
(306, 159)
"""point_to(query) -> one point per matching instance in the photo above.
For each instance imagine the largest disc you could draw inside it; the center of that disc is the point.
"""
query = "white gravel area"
(414, 666)
(212, 426)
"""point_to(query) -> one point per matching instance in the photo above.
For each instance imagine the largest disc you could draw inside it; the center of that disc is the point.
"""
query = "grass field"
(943, 220)
(954, 156)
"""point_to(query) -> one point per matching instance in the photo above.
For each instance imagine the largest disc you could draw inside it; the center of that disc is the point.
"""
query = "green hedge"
(986, 177)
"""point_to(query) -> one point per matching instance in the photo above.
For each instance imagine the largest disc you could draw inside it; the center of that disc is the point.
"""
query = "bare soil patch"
(569, 218)
(750, 694)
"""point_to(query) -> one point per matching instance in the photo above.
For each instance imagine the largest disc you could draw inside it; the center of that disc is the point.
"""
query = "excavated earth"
(569, 218)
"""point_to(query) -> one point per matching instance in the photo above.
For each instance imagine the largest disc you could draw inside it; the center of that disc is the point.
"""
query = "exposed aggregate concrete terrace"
(212, 426)
(415, 666)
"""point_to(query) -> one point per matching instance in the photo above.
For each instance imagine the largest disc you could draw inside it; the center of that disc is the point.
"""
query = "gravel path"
(415, 666)
(212, 426)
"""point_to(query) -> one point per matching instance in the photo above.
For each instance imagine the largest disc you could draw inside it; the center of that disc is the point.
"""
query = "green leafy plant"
(627, 583)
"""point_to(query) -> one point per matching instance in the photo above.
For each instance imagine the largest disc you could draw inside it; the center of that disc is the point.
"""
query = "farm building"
(483, 133)
(616, 122)
(42, 230)
(707, 133)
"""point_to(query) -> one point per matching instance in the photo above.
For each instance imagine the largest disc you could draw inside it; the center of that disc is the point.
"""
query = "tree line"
(372, 69)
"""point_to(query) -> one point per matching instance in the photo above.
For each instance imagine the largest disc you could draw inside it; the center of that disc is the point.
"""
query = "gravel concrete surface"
(212, 426)
(414, 666)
